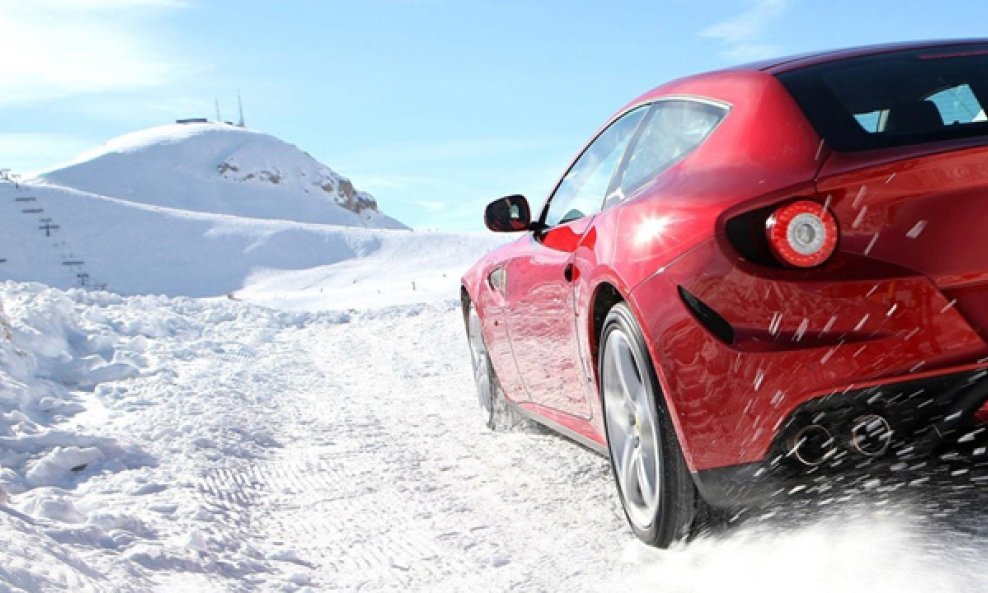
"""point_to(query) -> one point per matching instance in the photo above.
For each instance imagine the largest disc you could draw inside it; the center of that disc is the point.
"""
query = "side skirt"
(559, 428)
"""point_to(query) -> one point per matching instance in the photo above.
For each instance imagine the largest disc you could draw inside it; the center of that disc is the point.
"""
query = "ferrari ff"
(778, 269)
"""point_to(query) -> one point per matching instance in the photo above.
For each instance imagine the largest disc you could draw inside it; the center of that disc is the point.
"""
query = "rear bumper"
(796, 337)
(934, 419)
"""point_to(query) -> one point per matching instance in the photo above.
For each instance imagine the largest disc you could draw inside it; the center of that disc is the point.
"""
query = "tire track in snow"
(416, 503)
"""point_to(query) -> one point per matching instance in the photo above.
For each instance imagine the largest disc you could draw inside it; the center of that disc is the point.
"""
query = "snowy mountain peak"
(223, 169)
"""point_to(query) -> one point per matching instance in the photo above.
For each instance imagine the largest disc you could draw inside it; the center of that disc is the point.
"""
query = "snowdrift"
(132, 248)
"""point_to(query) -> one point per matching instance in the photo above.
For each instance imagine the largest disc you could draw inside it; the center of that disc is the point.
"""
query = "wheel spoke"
(620, 423)
(628, 476)
(649, 455)
(627, 372)
(646, 478)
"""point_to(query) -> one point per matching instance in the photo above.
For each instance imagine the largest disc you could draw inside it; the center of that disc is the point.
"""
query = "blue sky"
(435, 106)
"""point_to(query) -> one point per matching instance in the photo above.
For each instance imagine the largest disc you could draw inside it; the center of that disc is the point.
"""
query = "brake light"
(802, 234)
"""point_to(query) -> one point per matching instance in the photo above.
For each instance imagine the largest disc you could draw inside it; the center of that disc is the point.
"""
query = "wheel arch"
(605, 296)
(465, 302)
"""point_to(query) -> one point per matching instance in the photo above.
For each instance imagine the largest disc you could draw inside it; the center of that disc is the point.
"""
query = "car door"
(539, 284)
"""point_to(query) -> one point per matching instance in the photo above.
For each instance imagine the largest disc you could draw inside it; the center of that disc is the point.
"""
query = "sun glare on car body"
(651, 230)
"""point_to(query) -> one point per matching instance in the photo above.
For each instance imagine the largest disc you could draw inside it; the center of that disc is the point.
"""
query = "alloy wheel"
(481, 367)
(632, 429)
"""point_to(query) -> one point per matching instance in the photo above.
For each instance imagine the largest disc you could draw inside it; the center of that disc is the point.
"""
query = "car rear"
(879, 350)
(906, 178)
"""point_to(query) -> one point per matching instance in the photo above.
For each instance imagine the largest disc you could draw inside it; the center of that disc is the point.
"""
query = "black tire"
(660, 511)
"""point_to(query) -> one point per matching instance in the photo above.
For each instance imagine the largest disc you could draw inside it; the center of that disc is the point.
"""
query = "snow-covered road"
(211, 445)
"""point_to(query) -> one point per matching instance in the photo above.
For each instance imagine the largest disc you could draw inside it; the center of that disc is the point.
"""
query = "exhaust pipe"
(871, 435)
(812, 445)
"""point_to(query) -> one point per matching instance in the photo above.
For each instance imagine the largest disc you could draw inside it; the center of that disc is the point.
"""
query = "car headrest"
(917, 117)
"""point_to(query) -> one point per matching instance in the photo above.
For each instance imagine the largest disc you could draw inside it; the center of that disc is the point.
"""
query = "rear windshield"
(897, 98)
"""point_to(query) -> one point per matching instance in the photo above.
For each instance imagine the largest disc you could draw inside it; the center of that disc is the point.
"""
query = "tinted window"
(672, 130)
(581, 192)
(896, 98)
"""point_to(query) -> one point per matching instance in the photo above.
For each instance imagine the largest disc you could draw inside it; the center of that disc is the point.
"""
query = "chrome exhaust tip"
(812, 445)
(871, 435)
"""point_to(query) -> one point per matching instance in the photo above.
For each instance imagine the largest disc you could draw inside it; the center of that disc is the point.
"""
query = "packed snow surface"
(154, 443)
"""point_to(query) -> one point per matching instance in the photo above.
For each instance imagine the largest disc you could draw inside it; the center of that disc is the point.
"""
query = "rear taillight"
(802, 234)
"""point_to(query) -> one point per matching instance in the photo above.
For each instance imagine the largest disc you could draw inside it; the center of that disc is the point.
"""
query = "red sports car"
(775, 269)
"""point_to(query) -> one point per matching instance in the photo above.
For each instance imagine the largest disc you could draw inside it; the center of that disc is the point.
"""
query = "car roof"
(707, 83)
(795, 62)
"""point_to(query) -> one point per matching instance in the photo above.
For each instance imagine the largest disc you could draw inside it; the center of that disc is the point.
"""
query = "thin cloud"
(742, 35)
(57, 49)
(34, 151)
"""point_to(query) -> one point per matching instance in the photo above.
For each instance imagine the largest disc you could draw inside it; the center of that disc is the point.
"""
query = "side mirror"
(509, 214)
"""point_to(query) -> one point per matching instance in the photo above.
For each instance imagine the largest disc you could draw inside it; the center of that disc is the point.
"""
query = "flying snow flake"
(774, 325)
(948, 306)
(801, 330)
(777, 398)
(859, 197)
(871, 244)
(968, 437)
(917, 229)
(859, 219)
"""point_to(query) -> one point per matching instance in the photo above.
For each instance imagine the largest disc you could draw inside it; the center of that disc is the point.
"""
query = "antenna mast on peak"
(240, 106)
(217, 102)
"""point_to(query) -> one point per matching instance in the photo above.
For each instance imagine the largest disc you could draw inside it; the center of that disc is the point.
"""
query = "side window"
(673, 129)
(581, 192)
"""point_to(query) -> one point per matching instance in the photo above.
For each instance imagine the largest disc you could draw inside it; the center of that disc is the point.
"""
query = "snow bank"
(111, 410)
(52, 358)
(403, 269)
(5, 330)
(67, 238)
